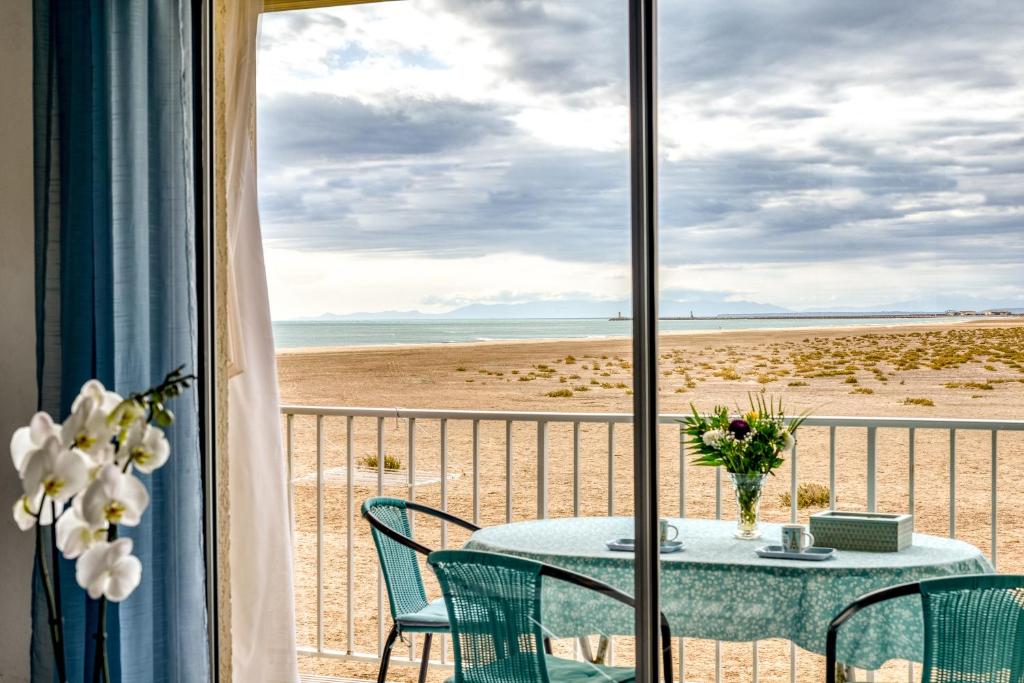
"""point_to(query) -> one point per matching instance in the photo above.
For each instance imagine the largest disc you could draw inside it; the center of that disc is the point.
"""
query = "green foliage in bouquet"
(750, 444)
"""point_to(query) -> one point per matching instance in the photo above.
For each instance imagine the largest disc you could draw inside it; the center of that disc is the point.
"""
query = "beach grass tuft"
(808, 495)
(391, 462)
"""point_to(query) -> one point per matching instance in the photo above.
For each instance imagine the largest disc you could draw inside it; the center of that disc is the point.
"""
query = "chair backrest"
(494, 604)
(398, 563)
(974, 629)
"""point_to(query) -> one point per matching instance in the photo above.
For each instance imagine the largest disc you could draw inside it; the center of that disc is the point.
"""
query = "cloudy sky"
(815, 154)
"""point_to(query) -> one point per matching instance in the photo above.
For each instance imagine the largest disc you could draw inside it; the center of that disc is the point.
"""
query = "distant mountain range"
(559, 309)
(670, 307)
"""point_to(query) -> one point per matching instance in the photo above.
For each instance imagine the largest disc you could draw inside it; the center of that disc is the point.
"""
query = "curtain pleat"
(115, 226)
(262, 603)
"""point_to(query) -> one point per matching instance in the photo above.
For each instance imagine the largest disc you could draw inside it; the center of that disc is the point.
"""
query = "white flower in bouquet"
(31, 438)
(108, 569)
(788, 440)
(713, 437)
(56, 471)
(26, 512)
(114, 497)
(145, 447)
(74, 534)
(88, 427)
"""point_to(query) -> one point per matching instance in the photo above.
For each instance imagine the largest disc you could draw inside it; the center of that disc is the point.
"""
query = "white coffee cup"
(793, 537)
(664, 527)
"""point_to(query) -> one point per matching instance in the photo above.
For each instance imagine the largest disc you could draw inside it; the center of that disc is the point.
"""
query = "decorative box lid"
(862, 517)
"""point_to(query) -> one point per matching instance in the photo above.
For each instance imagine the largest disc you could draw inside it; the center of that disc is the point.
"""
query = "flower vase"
(748, 489)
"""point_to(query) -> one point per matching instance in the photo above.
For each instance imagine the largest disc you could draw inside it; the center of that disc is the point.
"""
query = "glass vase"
(748, 489)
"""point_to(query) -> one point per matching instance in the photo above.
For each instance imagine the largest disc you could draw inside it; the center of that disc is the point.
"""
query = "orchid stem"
(55, 568)
(100, 662)
(56, 630)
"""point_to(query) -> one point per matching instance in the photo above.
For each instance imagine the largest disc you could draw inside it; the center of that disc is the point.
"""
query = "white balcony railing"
(851, 453)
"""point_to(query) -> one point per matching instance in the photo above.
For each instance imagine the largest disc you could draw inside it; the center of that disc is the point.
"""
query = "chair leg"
(385, 657)
(666, 660)
(425, 657)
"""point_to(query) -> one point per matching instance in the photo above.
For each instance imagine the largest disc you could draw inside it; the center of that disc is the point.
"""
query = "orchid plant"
(80, 479)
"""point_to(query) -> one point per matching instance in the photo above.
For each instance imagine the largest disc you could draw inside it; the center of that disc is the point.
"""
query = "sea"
(334, 333)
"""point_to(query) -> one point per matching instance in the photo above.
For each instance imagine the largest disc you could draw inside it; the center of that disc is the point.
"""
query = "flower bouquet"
(80, 481)
(749, 448)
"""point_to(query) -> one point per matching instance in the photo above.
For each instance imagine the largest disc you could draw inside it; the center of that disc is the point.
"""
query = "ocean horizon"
(292, 334)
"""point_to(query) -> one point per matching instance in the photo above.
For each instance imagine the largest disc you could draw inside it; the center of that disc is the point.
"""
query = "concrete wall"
(17, 324)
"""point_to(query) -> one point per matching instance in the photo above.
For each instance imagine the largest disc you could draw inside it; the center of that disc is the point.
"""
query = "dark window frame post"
(643, 100)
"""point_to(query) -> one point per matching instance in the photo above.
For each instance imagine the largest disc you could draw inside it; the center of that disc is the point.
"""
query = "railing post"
(411, 425)
(443, 437)
(611, 469)
(912, 469)
(832, 467)
(718, 493)
(995, 497)
(476, 472)
(508, 471)
(682, 471)
(871, 476)
(793, 488)
(289, 446)
(542, 469)
(576, 469)
(380, 573)
(952, 483)
(319, 534)
(350, 533)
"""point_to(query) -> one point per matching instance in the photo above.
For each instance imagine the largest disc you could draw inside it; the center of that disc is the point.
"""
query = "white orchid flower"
(26, 512)
(145, 447)
(114, 497)
(31, 438)
(88, 427)
(74, 534)
(55, 470)
(108, 569)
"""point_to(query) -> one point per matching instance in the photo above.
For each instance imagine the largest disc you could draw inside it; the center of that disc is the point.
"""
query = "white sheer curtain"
(262, 607)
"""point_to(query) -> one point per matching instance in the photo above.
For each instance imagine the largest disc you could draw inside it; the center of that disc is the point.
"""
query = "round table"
(719, 589)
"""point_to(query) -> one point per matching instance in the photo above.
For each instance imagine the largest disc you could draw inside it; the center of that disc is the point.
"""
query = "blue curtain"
(116, 296)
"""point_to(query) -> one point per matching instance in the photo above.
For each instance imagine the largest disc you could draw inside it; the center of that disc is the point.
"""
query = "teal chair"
(973, 627)
(411, 612)
(494, 608)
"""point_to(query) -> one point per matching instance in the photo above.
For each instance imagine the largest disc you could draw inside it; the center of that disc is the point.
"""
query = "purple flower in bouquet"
(739, 428)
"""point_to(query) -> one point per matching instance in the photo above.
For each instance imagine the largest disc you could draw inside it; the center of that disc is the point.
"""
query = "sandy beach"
(970, 370)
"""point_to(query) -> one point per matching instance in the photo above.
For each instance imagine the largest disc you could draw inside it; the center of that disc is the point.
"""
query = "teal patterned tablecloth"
(719, 589)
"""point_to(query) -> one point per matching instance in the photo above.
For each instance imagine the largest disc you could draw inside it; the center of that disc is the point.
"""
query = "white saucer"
(812, 554)
(628, 545)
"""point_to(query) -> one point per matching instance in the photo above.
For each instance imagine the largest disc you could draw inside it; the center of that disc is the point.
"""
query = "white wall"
(17, 329)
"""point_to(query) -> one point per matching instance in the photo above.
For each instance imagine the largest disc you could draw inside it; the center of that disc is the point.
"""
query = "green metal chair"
(411, 612)
(494, 607)
(973, 627)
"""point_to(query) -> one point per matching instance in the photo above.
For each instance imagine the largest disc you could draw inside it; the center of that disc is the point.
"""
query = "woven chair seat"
(559, 671)
(430, 619)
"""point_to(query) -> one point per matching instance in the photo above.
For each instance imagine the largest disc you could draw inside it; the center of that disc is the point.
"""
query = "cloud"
(863, 135)
(311, 128)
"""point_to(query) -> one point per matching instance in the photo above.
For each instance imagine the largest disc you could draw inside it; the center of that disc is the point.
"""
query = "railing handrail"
(626, 418)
